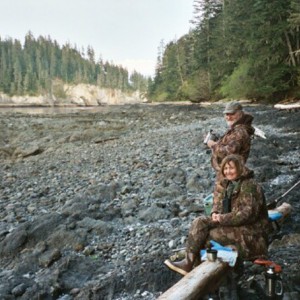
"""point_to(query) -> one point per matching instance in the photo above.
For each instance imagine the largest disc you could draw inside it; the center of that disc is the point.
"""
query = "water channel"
(36, 110)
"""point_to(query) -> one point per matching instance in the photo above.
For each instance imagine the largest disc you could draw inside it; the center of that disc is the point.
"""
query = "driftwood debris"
(288, 107)
(200, 281)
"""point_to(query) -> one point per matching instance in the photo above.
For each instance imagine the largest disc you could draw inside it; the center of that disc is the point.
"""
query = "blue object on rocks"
(218, 246)
(215, 246)
(274, 215)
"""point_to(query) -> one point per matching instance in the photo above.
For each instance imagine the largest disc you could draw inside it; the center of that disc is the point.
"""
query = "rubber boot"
(184, 266)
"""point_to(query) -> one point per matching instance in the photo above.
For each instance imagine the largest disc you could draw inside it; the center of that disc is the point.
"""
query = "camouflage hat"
(232, 107)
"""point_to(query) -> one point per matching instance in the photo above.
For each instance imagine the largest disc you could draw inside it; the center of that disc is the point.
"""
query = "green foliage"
(294, 18)
(196, 89)
(187, 91)
(295, 92)
(33, 68)
(139, 82)
(239, 84)
(172, 72)
(236, 49)
(164, 96)
(58, 90)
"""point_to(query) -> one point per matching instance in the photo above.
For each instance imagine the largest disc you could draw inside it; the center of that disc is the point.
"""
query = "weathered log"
(284, 209)
(199, 282)
(291, 106)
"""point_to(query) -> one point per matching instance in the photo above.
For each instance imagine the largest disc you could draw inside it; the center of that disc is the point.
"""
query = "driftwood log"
(289, 107)
(199, 282)
(208, 275)
(285, 209)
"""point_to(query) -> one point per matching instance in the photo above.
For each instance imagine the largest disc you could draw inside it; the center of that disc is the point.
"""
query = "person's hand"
(210, 143)
(215, 217)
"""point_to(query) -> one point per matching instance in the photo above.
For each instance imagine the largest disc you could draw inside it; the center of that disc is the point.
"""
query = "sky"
(123, 32)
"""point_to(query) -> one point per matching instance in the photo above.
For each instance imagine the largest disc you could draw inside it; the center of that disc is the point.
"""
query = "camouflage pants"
(249, 245)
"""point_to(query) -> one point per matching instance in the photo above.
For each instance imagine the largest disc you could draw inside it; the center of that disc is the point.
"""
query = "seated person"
(239, 218)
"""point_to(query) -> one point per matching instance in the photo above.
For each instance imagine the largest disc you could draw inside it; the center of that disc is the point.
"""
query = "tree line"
(42, 66)
(235, 49)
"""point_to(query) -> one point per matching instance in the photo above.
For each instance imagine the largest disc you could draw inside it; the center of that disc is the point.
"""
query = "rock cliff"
(78, 95)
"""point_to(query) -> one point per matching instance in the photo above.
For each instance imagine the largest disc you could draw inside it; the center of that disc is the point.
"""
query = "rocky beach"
(92, 202)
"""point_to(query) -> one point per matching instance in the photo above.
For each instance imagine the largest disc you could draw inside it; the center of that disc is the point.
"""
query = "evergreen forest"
(42, 66)
(235, 49)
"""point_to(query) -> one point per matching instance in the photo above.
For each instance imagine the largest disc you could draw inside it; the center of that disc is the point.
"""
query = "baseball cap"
(232, 107)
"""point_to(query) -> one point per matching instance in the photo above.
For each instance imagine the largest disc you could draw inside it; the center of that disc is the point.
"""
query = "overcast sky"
(126, 32)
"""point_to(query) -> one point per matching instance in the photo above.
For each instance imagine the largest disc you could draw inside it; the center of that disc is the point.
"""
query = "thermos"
(274, 288)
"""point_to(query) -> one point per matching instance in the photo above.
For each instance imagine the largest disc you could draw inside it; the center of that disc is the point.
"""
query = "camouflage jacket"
(248, 216)
(237, 140)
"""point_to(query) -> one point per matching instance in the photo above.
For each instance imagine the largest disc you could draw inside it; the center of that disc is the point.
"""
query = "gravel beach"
(93, 201)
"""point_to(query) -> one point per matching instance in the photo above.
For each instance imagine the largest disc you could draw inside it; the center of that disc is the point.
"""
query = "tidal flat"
(92, 202)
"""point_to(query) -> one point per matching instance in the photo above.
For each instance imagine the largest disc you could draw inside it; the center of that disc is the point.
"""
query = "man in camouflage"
(237, 139)
(240, 221)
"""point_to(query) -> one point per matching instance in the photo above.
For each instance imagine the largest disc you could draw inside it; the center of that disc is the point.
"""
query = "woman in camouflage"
(239, 218)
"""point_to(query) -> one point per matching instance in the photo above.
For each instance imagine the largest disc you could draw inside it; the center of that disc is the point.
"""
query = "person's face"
(230, 171)
(232, 118)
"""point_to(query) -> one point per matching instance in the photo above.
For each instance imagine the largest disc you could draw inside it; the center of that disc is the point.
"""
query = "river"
(37, 110)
